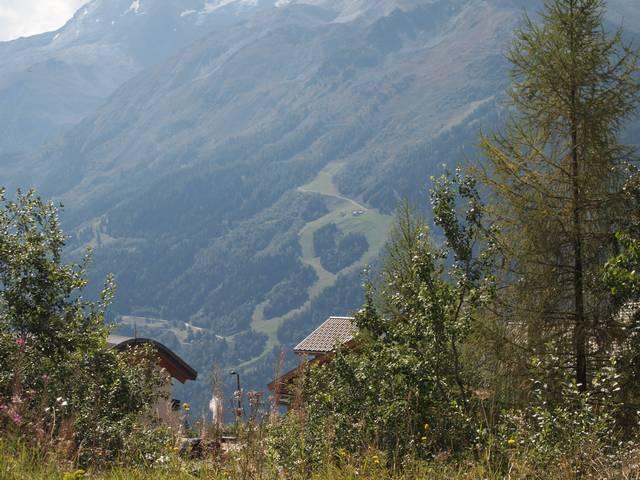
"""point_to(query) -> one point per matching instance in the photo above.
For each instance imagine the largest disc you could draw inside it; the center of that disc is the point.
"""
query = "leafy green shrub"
(60, 384)
(406, 388)
(300, 443)
(564, 428)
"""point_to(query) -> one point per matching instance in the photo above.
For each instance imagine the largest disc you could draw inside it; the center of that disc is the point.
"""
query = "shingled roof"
(176, 366)
(334, 331)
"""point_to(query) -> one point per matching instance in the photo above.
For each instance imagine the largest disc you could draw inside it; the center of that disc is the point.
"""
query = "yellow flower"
(186, 407)
(423, 439)
(77, 475)
(511, 441)
(342, 452)
(376, 460)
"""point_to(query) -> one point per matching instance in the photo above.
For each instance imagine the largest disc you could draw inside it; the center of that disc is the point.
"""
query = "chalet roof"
(169, 360)
(114, 340)
(334, 331)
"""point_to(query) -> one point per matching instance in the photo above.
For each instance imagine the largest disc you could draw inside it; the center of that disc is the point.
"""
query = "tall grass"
(19, 462)
(573, 441)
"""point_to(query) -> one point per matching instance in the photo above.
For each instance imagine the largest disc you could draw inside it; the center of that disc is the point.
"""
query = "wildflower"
(376, 459)
(186, 407)
(17, 419)
(342, 452)
(20, 342)
(511, 441)
(423, 439)
(482, 394)
(64, 403)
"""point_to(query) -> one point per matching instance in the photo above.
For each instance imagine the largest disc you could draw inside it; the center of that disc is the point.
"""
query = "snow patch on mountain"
(347, 10)
(134, 7)
(212, 6)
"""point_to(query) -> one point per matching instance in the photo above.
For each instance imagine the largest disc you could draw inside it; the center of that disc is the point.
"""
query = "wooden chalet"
(167, 359)
(317, 348)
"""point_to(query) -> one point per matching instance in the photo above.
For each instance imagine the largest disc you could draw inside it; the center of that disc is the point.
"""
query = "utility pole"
(238, 396)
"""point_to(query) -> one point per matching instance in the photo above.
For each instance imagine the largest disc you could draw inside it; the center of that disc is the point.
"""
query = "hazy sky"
(20, 18)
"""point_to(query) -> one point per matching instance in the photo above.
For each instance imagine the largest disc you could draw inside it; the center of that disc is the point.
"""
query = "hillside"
(202, 167)
(50, 82)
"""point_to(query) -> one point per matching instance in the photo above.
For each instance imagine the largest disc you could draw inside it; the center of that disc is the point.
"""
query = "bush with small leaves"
(60, 384)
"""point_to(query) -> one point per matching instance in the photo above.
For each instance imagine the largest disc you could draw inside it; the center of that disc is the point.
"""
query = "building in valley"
(175, 366)
(316, 349)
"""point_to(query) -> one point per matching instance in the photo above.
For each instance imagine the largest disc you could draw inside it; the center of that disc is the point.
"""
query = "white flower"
(65, 403)
(215, 405)
(59, 399)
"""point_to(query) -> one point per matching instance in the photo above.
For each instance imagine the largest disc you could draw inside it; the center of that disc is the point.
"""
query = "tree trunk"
(580, 334)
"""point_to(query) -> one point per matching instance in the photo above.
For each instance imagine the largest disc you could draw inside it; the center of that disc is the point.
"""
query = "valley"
(349, 216)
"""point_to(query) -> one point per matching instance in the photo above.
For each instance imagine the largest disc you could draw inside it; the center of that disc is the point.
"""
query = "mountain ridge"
(51, 81)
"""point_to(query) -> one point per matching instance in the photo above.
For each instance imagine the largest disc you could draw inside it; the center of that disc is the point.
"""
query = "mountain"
(51, 81)
(237, 183)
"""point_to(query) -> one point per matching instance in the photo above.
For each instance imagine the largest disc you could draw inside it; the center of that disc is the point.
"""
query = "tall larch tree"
(556, 174)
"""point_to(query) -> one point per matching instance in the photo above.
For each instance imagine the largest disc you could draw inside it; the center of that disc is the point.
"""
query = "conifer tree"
(556, 175)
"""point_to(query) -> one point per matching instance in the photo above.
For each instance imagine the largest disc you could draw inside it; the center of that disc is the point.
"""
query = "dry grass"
(20, 463)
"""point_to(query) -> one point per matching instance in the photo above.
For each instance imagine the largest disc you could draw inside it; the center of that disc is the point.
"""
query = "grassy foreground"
(21, 463)
(28, 465)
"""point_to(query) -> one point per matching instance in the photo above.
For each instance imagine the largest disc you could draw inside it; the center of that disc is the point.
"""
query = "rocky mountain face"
(235, 163)
(51, 81)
